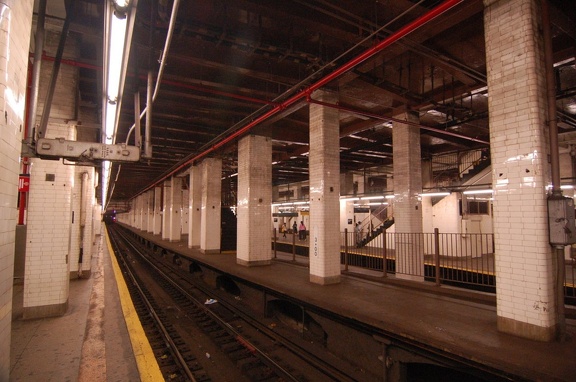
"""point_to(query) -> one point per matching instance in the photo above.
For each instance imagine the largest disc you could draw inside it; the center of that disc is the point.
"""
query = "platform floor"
(89, 343)
(460, 326)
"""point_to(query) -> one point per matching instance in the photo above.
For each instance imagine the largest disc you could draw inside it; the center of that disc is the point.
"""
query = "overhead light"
(431, 194)
(477, 192)
(117, 35)
(372, 197)
(115, 56)
(121, 4)
(389, 196)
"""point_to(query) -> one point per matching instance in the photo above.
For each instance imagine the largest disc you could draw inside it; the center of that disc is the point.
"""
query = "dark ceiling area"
(231, 62)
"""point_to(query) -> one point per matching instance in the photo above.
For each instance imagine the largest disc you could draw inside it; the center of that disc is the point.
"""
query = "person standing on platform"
(302, 231)
(283, 229)
(294, 227)
(358, 234)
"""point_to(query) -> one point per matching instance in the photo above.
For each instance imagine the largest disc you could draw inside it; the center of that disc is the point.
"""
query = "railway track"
(256, 349)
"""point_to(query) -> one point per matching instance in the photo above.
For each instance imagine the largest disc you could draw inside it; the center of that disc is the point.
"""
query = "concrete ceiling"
(231, 60)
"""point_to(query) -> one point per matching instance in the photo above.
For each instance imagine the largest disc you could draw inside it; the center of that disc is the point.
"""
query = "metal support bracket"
(85, 151)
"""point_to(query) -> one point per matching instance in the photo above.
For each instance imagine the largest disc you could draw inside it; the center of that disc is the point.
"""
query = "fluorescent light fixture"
(389, 196)
(477, 192)
(372, 197)
(564, 187)
(431, 194)
(116, 56)
(121, 3)
(118, 26)
(298, 203)
(110, 127)
(378, 204)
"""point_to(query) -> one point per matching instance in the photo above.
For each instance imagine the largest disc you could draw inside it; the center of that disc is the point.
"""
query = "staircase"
(375, 233)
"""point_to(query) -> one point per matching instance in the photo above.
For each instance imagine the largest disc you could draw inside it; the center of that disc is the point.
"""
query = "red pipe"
(384, 118)
(402, 32)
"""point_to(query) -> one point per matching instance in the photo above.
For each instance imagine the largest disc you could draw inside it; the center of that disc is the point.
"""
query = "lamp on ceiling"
(118, 24)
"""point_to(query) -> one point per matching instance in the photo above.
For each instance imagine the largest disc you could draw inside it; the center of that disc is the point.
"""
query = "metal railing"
(441, 257)
(465, 260)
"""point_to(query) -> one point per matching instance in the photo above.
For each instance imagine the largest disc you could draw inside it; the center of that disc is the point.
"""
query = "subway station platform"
(464, 325)
(96, 340)
(92, 341)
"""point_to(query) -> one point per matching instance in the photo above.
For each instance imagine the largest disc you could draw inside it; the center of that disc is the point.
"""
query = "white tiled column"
(132, 213)
(81, 228)
(195, 207)
(324, 165)
(74, 244)
(87, 221)
(15, 26)
(254, 201)
(185, 210)
(48, 237)
(210, 231)
(520, 170)
(144, 198)
(407, 204)
(167, 193)
(47, 264)
(157, 218)
(141, 217)
(138, 212)
(150, 197)
(175, 208)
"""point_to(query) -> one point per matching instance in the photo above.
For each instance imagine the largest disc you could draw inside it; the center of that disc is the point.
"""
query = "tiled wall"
(211, 203)
(324, 164)
(194, 205)
(15, 27)
(49, 220)
(407, 204)
(254, 200)
(518, 136)
(49, 214)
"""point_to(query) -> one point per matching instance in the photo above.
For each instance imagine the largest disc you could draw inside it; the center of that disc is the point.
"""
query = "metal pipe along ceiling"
(404, 31)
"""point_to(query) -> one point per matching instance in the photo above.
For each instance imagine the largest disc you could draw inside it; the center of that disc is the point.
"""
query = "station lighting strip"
(118, 24)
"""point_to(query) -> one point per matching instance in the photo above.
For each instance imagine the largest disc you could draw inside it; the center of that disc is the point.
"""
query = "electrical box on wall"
(561, 220)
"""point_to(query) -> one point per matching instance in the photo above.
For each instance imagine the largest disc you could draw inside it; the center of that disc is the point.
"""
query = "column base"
(44, 311)
(324, 280)
(253, 263)
(209, 251)
(86, 274)
(402, 276)
(526, 330)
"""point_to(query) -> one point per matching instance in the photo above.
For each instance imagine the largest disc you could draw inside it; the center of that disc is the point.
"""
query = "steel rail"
(153, 314)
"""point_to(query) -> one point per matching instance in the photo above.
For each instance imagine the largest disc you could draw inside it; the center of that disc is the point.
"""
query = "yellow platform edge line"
(145, 359)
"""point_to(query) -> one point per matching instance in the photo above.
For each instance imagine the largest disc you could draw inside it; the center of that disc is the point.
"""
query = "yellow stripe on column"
(145, 359)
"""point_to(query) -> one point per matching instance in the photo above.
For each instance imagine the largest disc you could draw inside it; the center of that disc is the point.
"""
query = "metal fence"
(448, 258)
(465, 260)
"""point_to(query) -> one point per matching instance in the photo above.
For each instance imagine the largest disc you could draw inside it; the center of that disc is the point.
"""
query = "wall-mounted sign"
(24, 183)
(285, 214)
